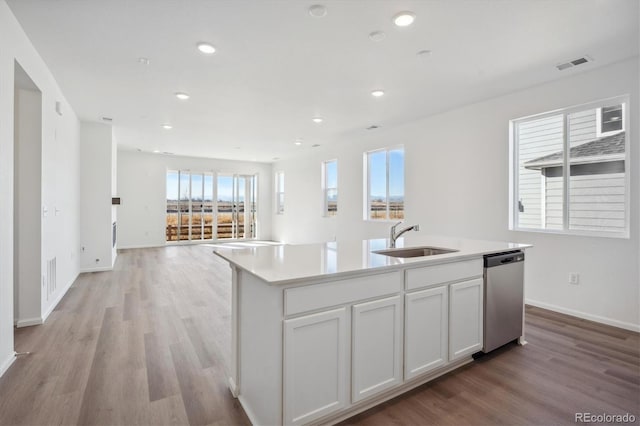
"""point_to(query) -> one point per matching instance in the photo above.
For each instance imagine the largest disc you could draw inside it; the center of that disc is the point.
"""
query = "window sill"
(590, 234)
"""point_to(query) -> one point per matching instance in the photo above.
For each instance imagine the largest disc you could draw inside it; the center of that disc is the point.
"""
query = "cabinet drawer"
(443, 273)
(323, 295)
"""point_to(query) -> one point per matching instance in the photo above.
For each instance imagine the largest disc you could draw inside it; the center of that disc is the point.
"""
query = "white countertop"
(283, 264)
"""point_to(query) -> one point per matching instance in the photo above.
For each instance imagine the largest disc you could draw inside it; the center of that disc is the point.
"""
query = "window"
(385, 184)
(191, 215)
(569, 176)
(610, 119)
(189, 206)
(330, 187)
(236, 213)
(280, 192)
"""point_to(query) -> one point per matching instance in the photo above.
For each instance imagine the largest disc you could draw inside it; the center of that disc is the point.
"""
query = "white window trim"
(326, 189)
(279, 191)
(367, 183)
(513, 170)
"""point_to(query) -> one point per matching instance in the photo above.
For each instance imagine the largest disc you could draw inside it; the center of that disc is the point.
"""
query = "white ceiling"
(276, 66)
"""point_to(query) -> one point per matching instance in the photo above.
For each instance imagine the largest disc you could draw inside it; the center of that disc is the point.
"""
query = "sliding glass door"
(189, 206)
(236, 212)
(192, 214)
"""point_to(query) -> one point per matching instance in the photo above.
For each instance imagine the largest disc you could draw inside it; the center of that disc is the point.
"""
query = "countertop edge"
(337, 276)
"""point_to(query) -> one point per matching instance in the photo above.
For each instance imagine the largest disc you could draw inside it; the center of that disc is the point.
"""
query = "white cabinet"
(426, 331)
(315, 366)
(377, 347)
(465, 318)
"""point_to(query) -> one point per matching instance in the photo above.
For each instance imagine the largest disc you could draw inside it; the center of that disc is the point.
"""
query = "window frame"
(279, 191)
(566, 202)
(326, 189)
(367, 183)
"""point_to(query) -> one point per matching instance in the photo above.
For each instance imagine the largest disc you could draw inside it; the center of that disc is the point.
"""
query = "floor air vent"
(51, 277)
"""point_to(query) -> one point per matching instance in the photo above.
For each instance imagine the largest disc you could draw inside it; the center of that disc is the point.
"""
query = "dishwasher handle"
(498, 259)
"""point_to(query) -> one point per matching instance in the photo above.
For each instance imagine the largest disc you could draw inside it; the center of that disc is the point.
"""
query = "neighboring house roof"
(609, 148)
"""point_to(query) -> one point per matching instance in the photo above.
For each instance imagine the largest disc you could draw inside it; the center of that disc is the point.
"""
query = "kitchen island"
(321, 332)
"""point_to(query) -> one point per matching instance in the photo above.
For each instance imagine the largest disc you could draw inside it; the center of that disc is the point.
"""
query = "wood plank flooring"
(147, 344)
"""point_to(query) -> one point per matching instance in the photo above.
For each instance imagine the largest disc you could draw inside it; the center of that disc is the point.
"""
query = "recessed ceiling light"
(167, 126)
(298, 142)
(377, 35)
(424, 53)
(206, 48)
(404, 19)
(156, 151)
(318, 11)
(317, 120)
(377, 93)
(144, 61)
(182, 96)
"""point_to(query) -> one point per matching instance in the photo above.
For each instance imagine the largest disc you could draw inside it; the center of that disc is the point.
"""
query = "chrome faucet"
(393, 235)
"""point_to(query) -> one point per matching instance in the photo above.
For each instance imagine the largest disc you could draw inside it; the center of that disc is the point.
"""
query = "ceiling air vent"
(574, 63)
(373, 127)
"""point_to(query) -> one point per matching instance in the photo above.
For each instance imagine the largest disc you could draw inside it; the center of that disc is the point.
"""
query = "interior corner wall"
(60, 185)
(96, 143)
(142, 186)
(457, 184)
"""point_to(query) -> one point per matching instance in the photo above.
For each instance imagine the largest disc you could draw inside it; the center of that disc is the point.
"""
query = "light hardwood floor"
(147, 344)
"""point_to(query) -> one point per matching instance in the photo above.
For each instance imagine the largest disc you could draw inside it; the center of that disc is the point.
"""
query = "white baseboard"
(584, 315)
(7, 363)
(28, 322)
(141, 246)
(99, 269)
(247, 410)
(58, 299)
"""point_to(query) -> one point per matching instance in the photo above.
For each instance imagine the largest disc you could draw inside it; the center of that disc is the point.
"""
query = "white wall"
(457, 183)
(142, 189)
(96, 189)
(60, 185)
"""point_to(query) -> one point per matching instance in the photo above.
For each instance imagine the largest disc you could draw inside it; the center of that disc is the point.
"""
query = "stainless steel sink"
(415, 252)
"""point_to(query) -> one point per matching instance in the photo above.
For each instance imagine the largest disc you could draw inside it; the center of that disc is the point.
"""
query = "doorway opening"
(27, 188)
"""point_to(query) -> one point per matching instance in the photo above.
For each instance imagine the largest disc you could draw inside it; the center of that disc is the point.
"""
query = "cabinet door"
(315, 366)
(377, 347)
(426, 331)
(465, 318)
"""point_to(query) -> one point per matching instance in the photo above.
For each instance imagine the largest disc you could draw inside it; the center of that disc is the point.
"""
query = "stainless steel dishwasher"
(503, 298)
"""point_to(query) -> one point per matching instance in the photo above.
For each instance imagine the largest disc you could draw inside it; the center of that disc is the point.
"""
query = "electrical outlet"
(574, 278)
